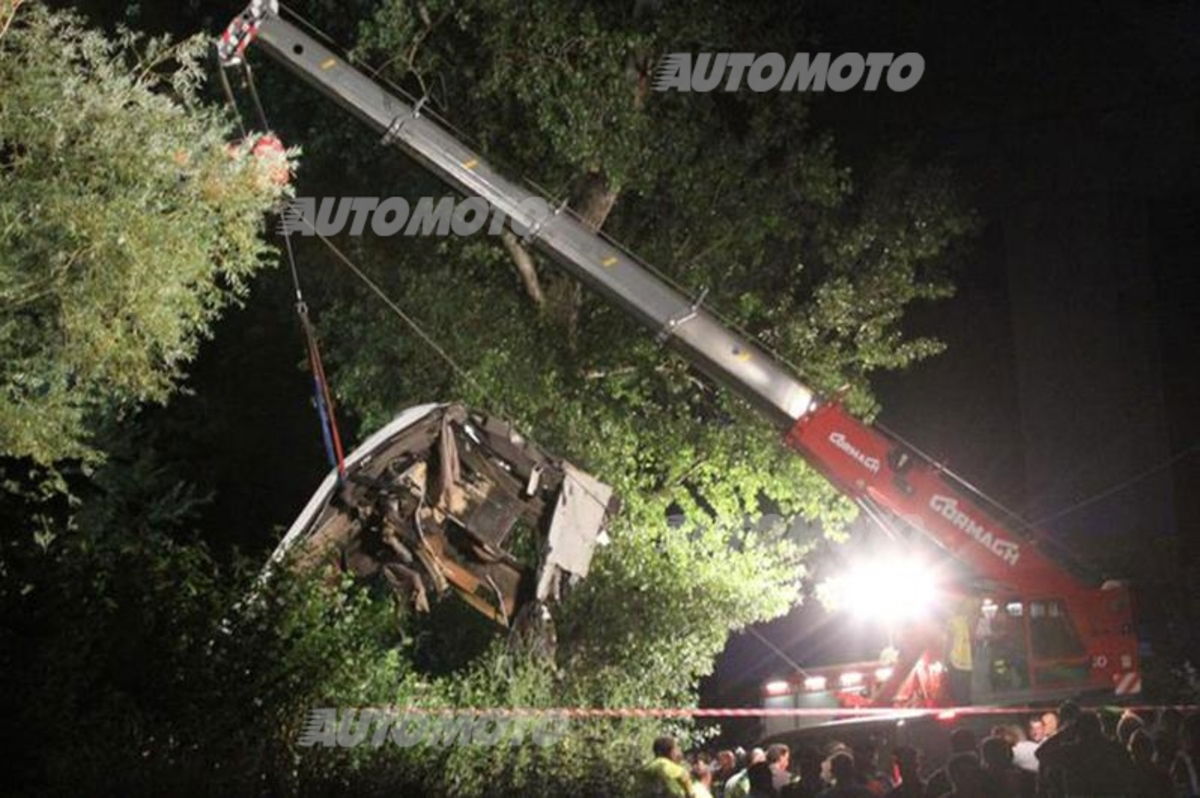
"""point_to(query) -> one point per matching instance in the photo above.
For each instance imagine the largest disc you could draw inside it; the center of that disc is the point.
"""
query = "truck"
(1067, 633)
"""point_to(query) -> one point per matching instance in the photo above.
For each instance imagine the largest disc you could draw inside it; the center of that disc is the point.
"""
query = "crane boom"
(861, 460)
(720, 352)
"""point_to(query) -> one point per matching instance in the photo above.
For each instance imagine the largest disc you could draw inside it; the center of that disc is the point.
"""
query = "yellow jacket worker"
(664, 777)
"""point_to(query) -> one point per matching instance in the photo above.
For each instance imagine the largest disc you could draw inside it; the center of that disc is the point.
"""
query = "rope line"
(396, 309)
(322, 395)
(944, 713)
(237, 114)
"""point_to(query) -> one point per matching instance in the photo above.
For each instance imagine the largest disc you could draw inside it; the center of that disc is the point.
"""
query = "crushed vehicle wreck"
(439, 499)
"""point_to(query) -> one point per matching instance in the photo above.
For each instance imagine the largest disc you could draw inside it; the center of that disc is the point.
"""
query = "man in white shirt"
(738, 785)
(1025, 751)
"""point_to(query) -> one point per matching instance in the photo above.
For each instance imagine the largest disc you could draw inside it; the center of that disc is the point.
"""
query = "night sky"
(1072, 340)
(1071, 366)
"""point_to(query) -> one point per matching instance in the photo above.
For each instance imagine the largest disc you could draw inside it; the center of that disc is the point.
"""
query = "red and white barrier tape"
(756, 712)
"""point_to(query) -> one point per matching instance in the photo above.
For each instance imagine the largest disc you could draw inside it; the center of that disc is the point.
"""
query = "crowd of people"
(1071, 753)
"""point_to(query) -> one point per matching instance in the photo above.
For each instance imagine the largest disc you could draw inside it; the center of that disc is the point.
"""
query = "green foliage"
(134, 660)
(126, 225)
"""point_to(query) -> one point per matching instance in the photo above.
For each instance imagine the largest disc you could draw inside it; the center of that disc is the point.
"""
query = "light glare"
(888, 590)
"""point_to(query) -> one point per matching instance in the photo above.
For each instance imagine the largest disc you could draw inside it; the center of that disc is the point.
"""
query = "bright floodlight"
(889, 590)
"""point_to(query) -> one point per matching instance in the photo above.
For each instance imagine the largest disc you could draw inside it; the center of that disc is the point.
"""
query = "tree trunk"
(595, 201)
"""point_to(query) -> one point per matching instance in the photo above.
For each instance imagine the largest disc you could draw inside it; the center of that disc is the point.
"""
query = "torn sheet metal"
(439, 500)
(581, 510)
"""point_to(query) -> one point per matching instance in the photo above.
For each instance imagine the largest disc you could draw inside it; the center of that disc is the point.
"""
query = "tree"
(127, 223)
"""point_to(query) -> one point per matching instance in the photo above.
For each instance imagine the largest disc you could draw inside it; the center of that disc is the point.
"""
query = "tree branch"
(10, 13)
(523, 260)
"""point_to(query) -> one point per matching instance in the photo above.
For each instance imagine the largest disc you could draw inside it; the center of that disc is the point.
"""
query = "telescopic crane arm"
(722, 353)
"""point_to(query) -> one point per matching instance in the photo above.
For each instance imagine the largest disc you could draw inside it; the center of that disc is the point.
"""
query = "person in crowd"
(779, 759)
(962, 741)
(866, 768)
(1090, 763)
(1170, 723)
(966, 777)
(1028, 774)
(702, 779)
(1078, 760)
(1068, 712)
(1024, 748)
(1049, 724)
(1024, 777)
(809, 785)
(1149, 779)
(841, 769)
(1050, 782)
(664, 776)
(1003, 779)
(738, 785)
(1185, 770)
(1165, 748)
(1126, 726)
(726, 766)
(908, 762)
(1007, 732)
(831, 750)
(761, 779)
(1108, 723)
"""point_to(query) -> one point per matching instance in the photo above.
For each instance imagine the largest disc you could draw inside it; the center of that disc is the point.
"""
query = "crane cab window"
(1051, 632)
(1001, 643)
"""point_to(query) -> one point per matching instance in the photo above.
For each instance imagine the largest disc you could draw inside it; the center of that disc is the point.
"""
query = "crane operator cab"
(1029, 648)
